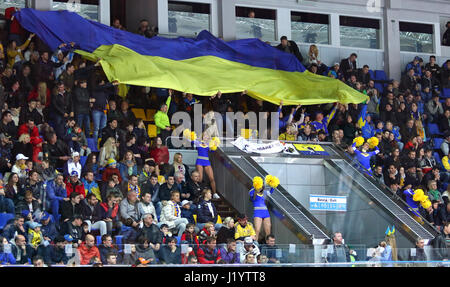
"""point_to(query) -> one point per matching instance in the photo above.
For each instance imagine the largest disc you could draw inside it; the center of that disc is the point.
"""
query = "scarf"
(136, 189)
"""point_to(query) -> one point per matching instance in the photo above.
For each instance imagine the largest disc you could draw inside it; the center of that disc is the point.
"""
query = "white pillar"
(227, 19)
(104, 12)
(163, 16)
(392, 58)
(43, 5)
(335, 32)
(283, 23)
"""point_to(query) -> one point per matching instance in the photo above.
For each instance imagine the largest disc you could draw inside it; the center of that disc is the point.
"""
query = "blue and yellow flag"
(201, 66)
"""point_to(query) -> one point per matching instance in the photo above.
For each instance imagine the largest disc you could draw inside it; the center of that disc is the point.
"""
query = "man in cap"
(73, 184)
(244, 229)
(48, 227)
(249, 247)
(73, 164)
(57, 254)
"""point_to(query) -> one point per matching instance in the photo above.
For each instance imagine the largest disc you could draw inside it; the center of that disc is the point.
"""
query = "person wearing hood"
(6, 256)
(144, 250)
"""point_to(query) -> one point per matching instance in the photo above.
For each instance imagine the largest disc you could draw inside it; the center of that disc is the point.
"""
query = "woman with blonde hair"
(178, 165)
(23, 146)
(390, 247)
(313, 58)
(108, 150)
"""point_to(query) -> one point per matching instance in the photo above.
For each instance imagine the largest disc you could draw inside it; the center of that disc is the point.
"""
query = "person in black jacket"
(93, 214)
(57, 254)
(56, 150)
(446, 36)
(110, 131)
(30, 113)
(71, 207)
(194, 187)
(440, 245)
(166, 188)
(206, 211)
(126, 115)
(290, 47)
(101, 93)
(60, 108)
(151, 232)
(7, 125)
(348, 66)
(82, 102)
(73, 228)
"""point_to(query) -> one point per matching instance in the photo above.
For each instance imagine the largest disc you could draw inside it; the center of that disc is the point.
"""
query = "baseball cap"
(248, 240)
(25, 212)
(74, 173)
(20, 156)
(33, 225)
(74, 154)
(185, 202)
(68, 237)
(45, 215)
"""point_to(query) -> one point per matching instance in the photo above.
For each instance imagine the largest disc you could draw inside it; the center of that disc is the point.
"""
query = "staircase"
(224, 208)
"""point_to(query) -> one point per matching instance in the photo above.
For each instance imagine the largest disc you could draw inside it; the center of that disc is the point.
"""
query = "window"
(87, 8)
(415, 37)
(310, 28)
(188, 19)
(360, 32)
(11, 3)
(255, 23)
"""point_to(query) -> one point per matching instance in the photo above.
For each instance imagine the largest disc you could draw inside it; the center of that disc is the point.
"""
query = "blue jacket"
(55, 192)
(229, 257)
(49, 230)
(203, 213)
(123, 169)
(188, 213)
(367, 131)
(6, 258)
(417, 69)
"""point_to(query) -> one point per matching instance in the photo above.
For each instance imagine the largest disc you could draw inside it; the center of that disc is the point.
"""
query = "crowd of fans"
(127, 187)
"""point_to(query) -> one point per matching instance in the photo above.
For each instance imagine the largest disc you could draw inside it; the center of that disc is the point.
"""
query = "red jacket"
(114, 212)
(107, 172)
(34, 134)
(79, 188)
(86, 253)
(160, 155)
(208, 257)
(34, 95)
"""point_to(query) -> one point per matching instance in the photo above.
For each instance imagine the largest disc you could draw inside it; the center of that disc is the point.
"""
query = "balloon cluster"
(420, 196)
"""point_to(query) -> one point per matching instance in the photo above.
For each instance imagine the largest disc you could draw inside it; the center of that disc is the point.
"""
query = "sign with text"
(310, 149)
(327, 203)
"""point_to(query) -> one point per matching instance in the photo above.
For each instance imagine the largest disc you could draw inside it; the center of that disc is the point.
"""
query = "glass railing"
(263, 29)
(280, 255)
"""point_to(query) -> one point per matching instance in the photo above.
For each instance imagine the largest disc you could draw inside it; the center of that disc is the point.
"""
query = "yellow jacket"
(12, 54)
(242, 232)
(446, 163)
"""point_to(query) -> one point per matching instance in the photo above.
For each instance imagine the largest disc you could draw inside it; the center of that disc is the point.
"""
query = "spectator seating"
(99, 240)
(446, 93)
(433, 130)
(83, 160)
(437, 157)
(151, 130)
(92, 145)
(380, 75)
(4, 218)
(139, 113)
(150, 115)
(437, 143)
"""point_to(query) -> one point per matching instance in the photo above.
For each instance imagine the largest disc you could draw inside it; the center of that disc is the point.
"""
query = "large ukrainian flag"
(201, 66)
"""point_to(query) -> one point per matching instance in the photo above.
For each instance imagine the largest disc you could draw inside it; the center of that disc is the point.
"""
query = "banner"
(264, 148)
(327, 203)
(310, 149)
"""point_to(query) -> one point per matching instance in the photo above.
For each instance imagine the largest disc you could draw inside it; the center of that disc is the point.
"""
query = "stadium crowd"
(65, 182)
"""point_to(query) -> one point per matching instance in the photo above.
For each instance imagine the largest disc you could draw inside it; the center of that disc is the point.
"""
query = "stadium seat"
(446, 93)
(433, 129)
(178, 239)
(372, 74)
(119, 242)
(437, 143)
(92, 145)
(437, 157)
(151, 115)
(83, 160)
(151, 131)
(139, 113)
(4, 218)
(99, 240)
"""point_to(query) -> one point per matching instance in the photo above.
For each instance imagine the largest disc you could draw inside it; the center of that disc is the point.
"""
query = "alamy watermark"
(212, 125)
